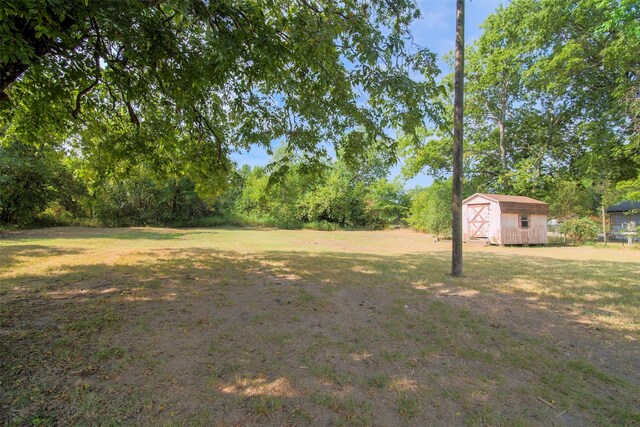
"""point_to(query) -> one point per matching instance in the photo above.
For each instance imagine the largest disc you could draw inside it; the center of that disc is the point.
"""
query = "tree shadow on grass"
(11, 255)
(595, 283)
(295, 338)
(75, 233)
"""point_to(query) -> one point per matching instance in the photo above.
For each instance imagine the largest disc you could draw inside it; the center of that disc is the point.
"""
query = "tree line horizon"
(128, 111)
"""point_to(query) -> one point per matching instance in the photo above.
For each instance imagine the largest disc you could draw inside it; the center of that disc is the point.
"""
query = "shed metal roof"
(624, 206)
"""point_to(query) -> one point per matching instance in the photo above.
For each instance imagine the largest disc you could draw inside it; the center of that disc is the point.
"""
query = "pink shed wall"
(512, 234)
(504, 228)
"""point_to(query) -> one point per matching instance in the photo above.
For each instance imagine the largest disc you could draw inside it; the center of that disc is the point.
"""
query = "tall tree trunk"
(456, 206)
(502, 118)
(506, 185)
(503, 146)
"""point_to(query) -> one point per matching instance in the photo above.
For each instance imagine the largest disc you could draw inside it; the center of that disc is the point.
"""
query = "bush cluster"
(580, 230)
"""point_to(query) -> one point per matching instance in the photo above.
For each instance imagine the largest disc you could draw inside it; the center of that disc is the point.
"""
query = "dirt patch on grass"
(218, 329)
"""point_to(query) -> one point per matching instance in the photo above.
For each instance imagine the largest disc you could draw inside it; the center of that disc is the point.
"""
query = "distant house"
(504, 220)
(624, 215)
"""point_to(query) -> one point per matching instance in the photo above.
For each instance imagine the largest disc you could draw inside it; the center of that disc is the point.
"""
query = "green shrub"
(339, 199)
(321, 226)
(430, 209)
(385, 203)
(580, 229)
(142, 200)
(25, 190)
(55, 215)
(231, 220)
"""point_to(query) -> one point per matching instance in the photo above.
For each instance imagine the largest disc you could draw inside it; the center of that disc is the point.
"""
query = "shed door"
(478, 221)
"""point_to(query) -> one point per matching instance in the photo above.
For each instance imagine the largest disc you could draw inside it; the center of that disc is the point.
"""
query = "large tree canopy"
(181, 84)
(552, 94)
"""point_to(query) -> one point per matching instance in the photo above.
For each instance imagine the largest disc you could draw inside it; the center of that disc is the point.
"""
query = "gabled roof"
(624, 206)
(515, 204)
(507, 198)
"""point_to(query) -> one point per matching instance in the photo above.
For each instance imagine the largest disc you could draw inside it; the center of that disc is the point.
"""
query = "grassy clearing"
(227, 326)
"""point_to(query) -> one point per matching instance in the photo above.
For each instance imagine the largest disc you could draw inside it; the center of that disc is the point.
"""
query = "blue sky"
(436, 31)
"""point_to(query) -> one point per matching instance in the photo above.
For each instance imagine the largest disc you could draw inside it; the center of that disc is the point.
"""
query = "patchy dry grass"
(264, 327)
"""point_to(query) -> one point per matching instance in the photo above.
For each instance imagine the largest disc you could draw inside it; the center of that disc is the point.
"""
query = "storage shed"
(624, 216)
(504, 220)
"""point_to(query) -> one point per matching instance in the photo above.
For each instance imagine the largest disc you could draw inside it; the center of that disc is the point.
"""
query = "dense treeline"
(552, 112)
(40, 187)
(45, 187)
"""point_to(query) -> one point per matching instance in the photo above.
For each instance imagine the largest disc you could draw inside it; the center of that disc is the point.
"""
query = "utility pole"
(458, 114)
(604, 227)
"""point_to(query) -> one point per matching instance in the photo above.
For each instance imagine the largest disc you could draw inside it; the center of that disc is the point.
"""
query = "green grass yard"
(269, 327)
